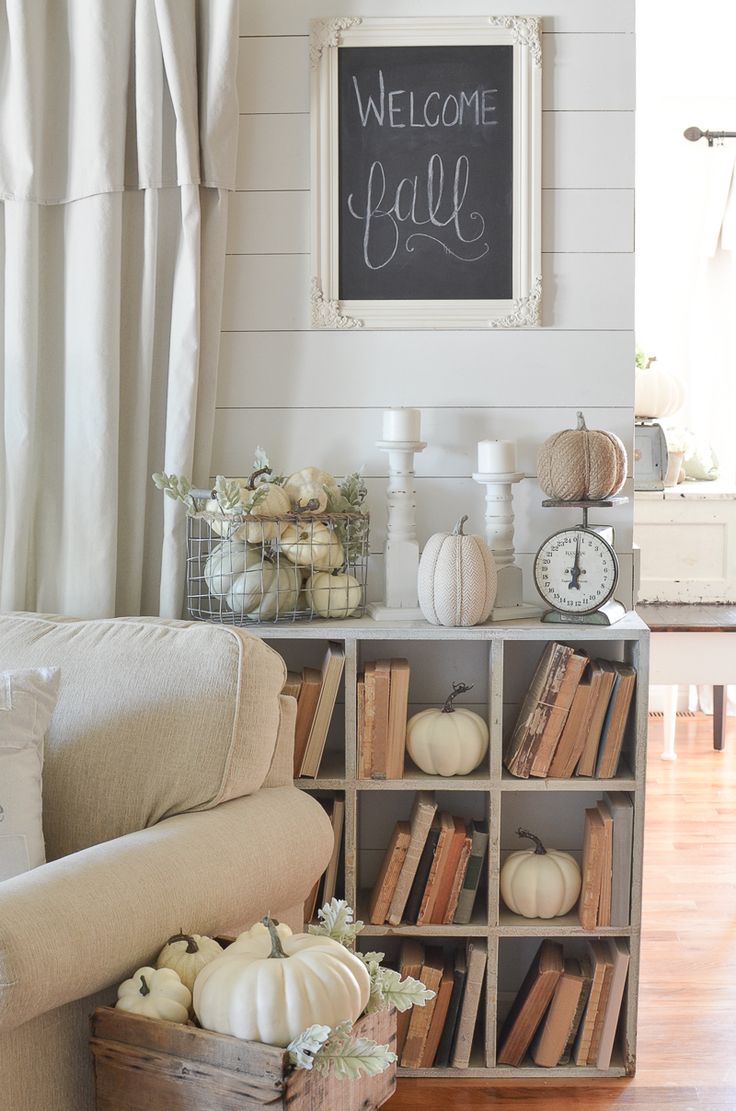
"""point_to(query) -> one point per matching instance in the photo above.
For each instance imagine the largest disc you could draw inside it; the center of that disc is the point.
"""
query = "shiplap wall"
(315, 397)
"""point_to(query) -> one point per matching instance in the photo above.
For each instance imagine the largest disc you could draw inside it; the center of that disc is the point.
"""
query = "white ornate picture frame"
(523, 308)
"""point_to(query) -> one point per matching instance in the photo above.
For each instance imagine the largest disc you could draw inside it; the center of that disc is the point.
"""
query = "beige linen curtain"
(118, 134)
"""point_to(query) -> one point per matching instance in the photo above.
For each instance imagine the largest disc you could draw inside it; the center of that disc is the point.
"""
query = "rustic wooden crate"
(145, 1065)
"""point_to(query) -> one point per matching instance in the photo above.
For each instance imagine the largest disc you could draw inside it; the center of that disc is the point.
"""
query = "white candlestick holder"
(401, 562)
(499, 518)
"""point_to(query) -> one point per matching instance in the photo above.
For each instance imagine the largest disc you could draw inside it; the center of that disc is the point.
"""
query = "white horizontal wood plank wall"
(316, 396)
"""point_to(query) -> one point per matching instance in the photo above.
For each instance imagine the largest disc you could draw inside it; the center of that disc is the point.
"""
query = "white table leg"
(670, 720)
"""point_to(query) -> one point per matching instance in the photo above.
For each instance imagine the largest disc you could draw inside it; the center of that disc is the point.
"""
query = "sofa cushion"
(27, 700)
(154, 718)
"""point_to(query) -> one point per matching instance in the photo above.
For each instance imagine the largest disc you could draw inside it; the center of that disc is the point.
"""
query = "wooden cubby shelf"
(499, 660)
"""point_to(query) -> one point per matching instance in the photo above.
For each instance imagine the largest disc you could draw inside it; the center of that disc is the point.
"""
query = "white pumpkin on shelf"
(270, 985)
(540, 882)
(457, 578)
(257, 499)
(447, 741)
(187, 954)
(226, 561)
(155, 993)
(333, 595)
(312, 544)
(657, 393)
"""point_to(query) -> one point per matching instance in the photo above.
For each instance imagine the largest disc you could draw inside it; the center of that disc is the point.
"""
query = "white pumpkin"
(257, 499)
(312, 544)
(310, 485)
(265, 590)
(539, 882)
(155, 993)
(333, 596)
(447, 741)
(457, 578)
(269, 986)
(657, 393)
(226, 561)
(187, 954)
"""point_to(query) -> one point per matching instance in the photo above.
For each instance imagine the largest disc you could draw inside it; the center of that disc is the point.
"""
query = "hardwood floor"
(687, 1008)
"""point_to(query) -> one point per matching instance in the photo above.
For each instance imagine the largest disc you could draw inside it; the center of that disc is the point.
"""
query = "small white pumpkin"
(457, 578)
(657, 393)
(447, 741)
(187, 954)
(312, 544)
(333, 596)
(155, 993)
(310, 485)
(539, 882)
(263, 590)
(225, 562)
(257, 499)
(270, 986)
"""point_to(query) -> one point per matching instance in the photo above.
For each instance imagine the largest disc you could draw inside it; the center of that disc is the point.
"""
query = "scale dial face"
(576, 570)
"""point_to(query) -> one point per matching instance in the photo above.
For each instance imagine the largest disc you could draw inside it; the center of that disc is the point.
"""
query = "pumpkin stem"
(276, 947)
(458, 529)
(192, 946)
(650, 360)
(311, 507)
(144, 988)
(539, 849)
(257, 474)
(582, 426)
(457, 688)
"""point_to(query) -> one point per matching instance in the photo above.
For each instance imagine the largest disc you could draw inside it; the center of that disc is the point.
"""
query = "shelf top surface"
(630, 627)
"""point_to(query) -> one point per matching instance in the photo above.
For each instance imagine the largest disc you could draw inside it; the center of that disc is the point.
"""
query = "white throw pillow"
(27, 700)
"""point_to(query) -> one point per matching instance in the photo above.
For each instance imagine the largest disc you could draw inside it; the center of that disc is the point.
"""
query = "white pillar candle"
(402, 425)
(496, 457)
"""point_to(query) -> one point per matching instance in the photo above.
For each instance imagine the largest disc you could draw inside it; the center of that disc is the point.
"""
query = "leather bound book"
(305, 709)
(589, 755)
(447, 878)
(594, 837)
(536, 709)
(447, 1040)
(439, 1016)
(421, 1017)
(459, 879)
(576, 729)
(444, 841)
(614, 726)
(419, 883)
(530, 1005)
(547, 743)
(382, 681)
(422, 814)
(398, 705)
(553, 1033)
(388, 876)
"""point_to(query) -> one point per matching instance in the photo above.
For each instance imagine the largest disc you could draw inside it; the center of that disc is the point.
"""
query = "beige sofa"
(168, 804)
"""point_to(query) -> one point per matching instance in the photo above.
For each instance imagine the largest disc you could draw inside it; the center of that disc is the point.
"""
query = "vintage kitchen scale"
(576, 569)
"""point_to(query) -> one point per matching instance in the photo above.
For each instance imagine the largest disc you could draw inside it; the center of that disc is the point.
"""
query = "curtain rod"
(694, 133)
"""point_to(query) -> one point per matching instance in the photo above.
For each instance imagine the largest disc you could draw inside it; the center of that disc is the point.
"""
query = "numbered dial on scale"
(576, 570)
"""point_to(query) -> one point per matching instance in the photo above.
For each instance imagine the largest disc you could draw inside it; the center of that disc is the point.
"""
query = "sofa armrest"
(281, 771)
(86, 921)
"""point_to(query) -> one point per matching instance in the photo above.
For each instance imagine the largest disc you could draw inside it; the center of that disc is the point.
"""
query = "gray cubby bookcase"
(499, 661)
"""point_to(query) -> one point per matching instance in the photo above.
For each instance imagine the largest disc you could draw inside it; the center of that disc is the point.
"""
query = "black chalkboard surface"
(425, 172)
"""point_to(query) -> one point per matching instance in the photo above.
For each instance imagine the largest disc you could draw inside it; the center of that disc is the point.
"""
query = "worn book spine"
(545, 748)
(476, 966)
(530, 1004)
(439, 1016)
(332, 670)
(585, 1032)
(419, 883)
(397, 713)
(411, 960)
(382, 681)
(593, 854)
(604, 906)
(619, 952)
(389, 874)
(589, 755)
(528, 707)
(422, 815)
(421, 1017)
(622, 810)
(447, 828)
(600, 1014)
(448, 874)
(533, 720)
(615, 725)
(587, 975)
(577, 726)
(369, 718)
(473, 874)
(447, 1041)
(364, 759)
(457, 883)
(551, 1037)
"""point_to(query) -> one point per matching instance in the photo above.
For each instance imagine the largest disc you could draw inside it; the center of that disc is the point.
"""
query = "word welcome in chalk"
(402, 108)
(390, 214)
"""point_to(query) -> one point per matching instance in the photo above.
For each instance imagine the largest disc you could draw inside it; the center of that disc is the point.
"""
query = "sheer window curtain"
(118, 135)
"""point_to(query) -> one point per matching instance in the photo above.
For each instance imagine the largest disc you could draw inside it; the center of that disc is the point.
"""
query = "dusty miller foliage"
(338, 1051)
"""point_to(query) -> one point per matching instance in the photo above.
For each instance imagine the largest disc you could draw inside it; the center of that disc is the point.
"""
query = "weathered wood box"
(145, 1065)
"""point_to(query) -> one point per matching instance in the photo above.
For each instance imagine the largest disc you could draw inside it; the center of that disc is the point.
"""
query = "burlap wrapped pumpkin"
(581, 464)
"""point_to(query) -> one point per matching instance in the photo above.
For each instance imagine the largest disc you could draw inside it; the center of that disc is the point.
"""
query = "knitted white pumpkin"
(457, 578)
(581, 464)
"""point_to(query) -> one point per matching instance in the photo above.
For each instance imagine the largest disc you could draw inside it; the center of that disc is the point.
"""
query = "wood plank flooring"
(687, 1008)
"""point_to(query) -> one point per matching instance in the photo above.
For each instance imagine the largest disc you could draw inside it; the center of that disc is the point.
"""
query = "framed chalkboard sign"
(426, 167)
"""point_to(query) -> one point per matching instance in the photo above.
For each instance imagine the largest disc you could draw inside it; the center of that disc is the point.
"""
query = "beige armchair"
(168, 803)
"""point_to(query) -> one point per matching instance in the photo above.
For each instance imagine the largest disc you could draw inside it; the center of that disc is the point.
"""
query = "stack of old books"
(607, 846)
(383, 697)
(440, 1033)
(315, 691)
(567, 1009)
(432, 868)
(573, 717)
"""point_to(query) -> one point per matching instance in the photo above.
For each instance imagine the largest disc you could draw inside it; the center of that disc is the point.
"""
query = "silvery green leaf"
(336, 921)
(302, 1050)
(401, 994)
(349, 1058)
(260, 459)
(227, 493)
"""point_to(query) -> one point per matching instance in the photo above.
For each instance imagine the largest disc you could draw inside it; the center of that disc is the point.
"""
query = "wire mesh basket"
(245, 569)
